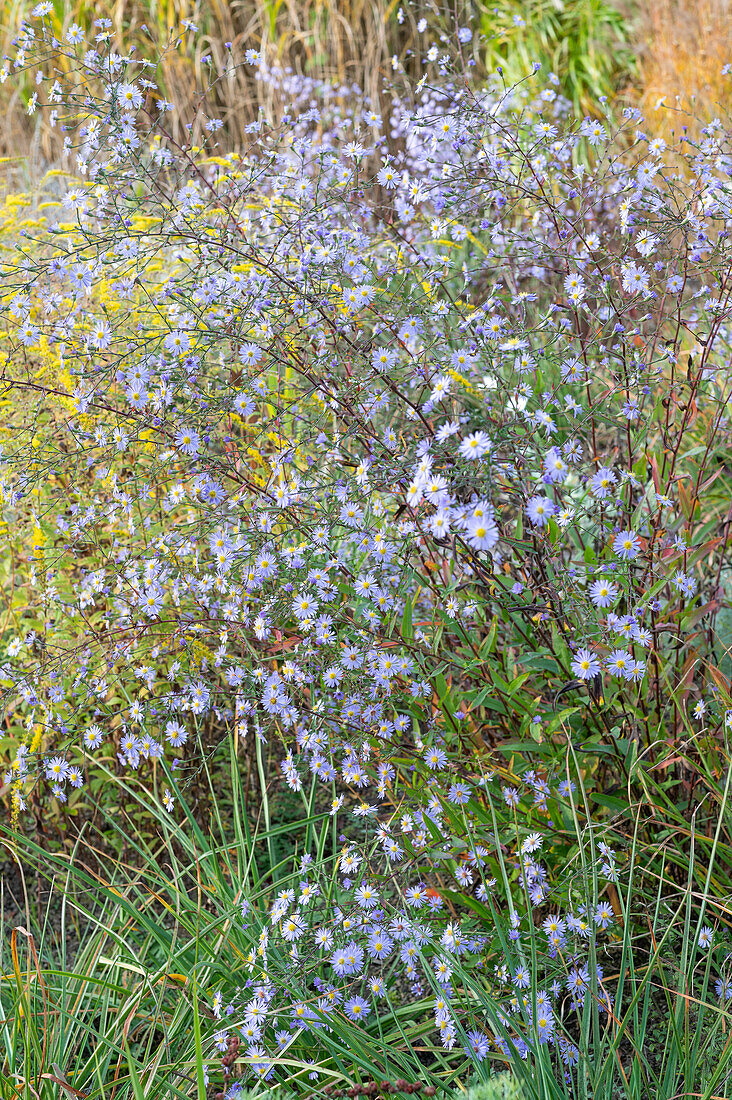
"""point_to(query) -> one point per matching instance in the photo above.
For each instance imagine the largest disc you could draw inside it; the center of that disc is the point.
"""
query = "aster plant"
(394, 458)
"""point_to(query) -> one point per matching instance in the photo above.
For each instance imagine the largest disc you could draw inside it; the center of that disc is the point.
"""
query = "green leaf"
(200, 1077)
(489, 642)
(479, 699)
(444, 694)
(518, 683)
(617, 805)
(495, 705)
(137, 1090)
(407, 628)
(544, 749)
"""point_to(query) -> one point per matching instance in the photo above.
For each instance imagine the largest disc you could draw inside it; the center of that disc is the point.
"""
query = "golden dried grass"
(684, 46)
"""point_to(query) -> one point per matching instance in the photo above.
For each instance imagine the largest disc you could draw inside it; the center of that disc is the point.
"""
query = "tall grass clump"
(684, 58)
(382, 465)
(196, 53)
(193, 976)
(586, 44)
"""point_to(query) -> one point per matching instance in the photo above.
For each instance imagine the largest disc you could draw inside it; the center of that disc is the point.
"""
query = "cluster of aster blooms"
(345, 945)
(368, 442)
